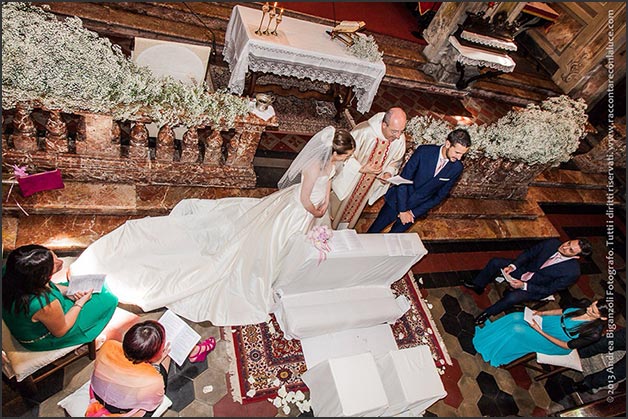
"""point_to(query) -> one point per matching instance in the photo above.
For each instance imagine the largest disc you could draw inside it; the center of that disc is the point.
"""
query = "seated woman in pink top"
(130, 377)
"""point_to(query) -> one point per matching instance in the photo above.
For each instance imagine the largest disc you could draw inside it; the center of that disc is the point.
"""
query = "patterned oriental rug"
(261, 358)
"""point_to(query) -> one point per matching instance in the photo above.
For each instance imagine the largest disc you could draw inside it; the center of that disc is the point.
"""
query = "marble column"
(189, 154)
(56, 133)
(24, 137)
(138, 147)
(213, 148)
(94, 135)
(596, 160)
(241, 149)
(440, 55)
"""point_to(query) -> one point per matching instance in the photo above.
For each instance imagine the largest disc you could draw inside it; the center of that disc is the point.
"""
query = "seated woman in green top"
(38, 312)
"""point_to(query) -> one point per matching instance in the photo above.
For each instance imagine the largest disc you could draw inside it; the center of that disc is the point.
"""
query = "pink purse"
(45, 181)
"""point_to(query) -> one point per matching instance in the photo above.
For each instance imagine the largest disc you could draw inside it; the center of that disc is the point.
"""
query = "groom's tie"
(552, 260)
(440, 165)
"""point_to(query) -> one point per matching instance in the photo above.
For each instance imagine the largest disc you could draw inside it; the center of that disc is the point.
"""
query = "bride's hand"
(320, 210)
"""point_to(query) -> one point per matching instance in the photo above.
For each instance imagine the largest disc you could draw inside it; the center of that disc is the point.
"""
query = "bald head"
(394, 123)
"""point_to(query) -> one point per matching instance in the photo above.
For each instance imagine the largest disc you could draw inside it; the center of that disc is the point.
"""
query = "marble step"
(560, 178)
(74, 232)
(559, 195)
(436, 229)
(79, 198)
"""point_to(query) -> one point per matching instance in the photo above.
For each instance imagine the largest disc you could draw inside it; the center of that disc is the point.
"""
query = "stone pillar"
(241, 149)
(94, 135)
(56, 133)
(440, 55)
(24, 135)
(138, 147)
(165, 143)
(213, 148)
(189, 154)
(445, 22)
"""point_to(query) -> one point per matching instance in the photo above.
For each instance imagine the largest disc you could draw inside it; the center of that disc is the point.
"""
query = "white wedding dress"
(210, 260)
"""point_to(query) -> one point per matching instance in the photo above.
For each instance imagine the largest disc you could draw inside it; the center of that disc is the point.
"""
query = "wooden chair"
(21, 365)
(529, 361)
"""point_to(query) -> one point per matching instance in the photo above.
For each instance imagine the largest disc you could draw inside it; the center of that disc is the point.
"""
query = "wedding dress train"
(210, 260)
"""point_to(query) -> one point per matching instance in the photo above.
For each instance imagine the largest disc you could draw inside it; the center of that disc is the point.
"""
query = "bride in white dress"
(217, 260)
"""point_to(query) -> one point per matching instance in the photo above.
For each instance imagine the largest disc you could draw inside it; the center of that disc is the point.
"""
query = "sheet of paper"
(528, 317)
(85, 283)
(182, 337)
(398, 180)
(506, 276)
(345, 241)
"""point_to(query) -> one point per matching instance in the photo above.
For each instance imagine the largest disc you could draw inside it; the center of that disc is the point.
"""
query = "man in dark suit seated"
(537, 273)
(433, 170)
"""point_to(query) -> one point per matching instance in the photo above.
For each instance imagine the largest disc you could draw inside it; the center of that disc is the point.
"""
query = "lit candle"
(281, 12)
(275, 7)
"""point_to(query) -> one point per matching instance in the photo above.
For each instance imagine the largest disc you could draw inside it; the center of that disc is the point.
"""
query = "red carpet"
(394, 19)
(260, 353)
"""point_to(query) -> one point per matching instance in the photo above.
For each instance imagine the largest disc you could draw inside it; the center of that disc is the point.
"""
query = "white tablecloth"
(301, 49)
(482, 57)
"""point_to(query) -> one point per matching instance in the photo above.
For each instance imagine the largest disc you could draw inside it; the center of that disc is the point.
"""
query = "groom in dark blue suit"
(535, 274)
(433, 170)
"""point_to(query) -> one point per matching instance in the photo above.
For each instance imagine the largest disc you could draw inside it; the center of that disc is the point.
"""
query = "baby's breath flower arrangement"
(365, 47)
(547, 133)
(61, 65)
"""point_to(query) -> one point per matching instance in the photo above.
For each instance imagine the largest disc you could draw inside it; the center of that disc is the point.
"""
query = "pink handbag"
(38, 182)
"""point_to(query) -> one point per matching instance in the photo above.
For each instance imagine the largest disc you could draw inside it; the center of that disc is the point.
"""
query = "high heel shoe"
(205, 347)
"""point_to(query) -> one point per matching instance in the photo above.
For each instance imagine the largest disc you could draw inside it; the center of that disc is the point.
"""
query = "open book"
(528, 317)
(85, 283)
(349, 26)
(398, 180)
(182, 337)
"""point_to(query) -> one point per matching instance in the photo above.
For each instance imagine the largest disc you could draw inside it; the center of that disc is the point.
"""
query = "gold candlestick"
(271, 15)
(265, 9)
(277, 22)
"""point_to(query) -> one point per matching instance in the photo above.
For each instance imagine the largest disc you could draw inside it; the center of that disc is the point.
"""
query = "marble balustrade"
(97, 150)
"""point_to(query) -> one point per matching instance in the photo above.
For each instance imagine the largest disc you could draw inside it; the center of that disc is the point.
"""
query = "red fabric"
(38, 182)
(393, 19)
(426, 6)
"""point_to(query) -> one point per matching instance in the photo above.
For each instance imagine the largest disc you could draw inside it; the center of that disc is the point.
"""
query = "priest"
(380, 147)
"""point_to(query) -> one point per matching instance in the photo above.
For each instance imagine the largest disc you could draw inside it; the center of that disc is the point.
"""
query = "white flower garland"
(61, 65)
(539, 134)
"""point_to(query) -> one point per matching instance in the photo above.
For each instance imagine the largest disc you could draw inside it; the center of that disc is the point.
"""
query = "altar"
(301, 49)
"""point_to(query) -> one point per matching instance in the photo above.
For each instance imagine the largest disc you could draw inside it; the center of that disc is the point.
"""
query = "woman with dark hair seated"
(39, 313)
(510, 337)
(130, 377)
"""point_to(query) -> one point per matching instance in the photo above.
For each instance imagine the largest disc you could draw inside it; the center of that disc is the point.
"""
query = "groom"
(433, 170)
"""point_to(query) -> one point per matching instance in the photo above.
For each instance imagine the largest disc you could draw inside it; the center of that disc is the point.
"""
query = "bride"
(217, 260)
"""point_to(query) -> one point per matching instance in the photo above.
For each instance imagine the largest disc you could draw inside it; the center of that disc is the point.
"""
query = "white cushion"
(347, 386)
(23, 362)
(76, 403)
(321, 312)
(571, 360)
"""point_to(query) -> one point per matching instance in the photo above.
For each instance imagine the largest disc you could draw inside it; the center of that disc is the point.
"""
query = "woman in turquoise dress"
(38, 312)
(510, 337)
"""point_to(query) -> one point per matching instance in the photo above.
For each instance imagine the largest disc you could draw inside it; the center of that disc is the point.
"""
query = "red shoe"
(205, 347)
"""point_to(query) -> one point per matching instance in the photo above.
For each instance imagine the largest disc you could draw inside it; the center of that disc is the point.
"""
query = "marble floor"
(474, 388)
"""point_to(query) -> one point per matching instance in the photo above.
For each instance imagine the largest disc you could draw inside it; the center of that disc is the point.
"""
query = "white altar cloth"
(301, 49)
(482, 57)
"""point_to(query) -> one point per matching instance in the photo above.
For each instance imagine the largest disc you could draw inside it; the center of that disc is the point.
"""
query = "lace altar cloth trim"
(472, 56)
(488, 41)
(301, 50)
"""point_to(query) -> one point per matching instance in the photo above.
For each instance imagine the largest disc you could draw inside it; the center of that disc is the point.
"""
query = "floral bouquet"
(319, 236)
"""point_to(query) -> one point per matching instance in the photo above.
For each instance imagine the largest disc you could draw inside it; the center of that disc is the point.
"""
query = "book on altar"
(398, 180)
(528, 316)
(349, 26)
(182, 337)
(85, 283)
